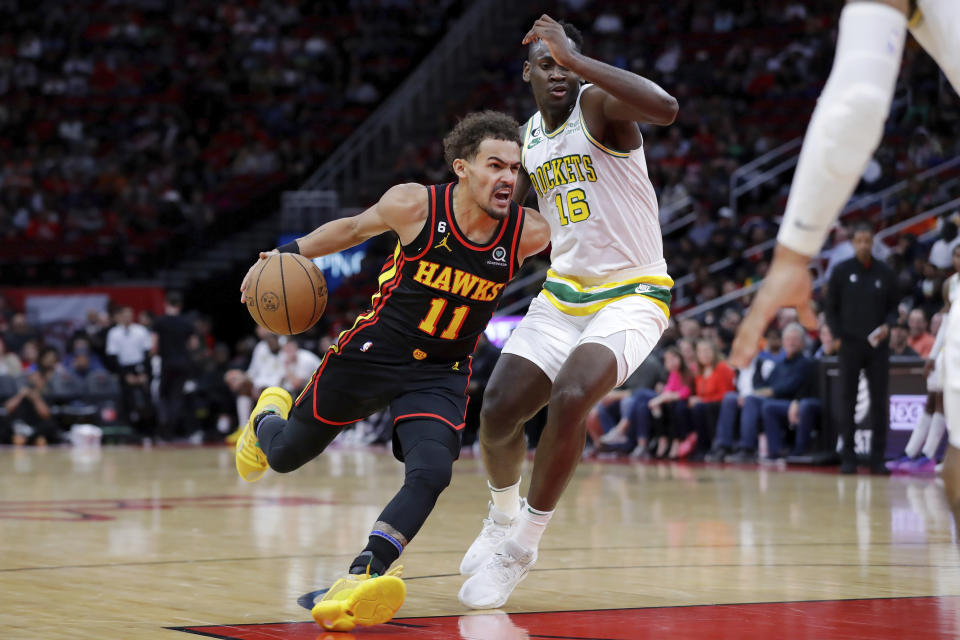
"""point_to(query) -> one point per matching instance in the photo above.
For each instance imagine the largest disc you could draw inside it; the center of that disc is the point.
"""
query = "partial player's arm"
(535, 236)
(619, 95)
(403, 208)
(788, 284)
(521, 188)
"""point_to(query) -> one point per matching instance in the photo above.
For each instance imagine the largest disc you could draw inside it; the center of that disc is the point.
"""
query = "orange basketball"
(286, 294)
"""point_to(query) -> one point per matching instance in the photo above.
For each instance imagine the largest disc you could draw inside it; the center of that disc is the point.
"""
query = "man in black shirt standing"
(861, 307)
(173, 333)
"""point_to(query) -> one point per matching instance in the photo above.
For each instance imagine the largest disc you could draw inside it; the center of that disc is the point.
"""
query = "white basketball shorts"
(630, 328)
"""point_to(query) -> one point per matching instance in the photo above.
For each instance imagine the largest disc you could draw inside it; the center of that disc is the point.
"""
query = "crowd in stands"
(746, 81)
(684, 402)
(132, 123)
(130, 129)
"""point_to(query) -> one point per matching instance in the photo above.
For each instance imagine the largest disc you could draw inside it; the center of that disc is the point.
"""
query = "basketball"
(287, 294)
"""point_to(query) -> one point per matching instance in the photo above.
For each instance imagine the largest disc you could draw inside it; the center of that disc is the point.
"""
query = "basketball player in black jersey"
(458, 245)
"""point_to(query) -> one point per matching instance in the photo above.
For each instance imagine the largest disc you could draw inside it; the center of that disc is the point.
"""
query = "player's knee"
(571, 400)
(433, 478)
(500, 414)
(852, 124)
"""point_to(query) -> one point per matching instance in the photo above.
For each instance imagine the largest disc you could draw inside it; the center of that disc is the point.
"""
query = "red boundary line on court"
(897, 618)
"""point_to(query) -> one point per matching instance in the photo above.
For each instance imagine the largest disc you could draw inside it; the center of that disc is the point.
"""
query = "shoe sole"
(374, 601)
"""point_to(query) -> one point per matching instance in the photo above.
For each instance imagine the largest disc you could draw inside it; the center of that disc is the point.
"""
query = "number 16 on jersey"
(576, 209)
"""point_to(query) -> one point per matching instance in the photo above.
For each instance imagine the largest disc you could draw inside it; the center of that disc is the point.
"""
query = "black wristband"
(290, 247)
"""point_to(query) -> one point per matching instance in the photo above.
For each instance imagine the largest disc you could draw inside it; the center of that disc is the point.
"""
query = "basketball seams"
(313, 288)
(283, 288)
(256, 291)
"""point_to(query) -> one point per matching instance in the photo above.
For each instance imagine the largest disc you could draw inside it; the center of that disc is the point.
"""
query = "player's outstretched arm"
(788, 284)
(403, 208)
(621, 95)
(536, 234)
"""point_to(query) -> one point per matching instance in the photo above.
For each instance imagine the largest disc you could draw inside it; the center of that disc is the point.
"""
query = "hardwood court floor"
(131, 543)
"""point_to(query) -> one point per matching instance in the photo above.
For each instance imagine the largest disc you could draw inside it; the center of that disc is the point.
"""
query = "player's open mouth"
(558, 91)
(502, 196)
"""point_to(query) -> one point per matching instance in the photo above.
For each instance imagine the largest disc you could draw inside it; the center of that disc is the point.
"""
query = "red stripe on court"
(923, 618)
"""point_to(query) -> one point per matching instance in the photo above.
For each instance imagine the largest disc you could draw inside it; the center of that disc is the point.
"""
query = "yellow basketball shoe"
(251, 460)
(360, 599)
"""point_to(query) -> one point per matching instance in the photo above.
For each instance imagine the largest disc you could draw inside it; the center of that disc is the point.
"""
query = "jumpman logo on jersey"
(443, 243)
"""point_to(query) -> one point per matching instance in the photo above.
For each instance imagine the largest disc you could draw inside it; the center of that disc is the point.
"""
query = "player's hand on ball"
(246, 279)
(788, 284)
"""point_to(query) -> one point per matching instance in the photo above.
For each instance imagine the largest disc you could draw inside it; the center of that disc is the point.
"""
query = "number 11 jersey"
(438, 292)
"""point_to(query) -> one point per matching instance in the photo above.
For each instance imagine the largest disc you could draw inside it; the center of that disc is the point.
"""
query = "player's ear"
(526, 71)
(460, 167)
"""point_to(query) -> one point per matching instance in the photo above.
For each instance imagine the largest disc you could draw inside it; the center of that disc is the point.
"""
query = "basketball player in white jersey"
(919, 454)
(603, 307)
(844, 131)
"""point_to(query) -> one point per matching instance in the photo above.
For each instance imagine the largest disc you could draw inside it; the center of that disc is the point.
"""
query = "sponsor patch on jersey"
(419, 355)
(366, 346)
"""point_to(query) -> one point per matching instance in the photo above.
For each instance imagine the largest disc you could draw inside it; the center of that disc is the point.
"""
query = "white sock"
(506, 500)
(532, 525)
(919, 435)
(937, 427)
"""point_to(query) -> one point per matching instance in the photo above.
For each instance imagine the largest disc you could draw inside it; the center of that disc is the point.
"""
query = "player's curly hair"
(464, 141)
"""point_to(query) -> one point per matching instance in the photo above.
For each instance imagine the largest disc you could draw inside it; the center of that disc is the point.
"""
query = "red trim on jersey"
(521, 216)
(467, 386)
(447, 197)
(431, 220)
(385, 292)
(455, 427)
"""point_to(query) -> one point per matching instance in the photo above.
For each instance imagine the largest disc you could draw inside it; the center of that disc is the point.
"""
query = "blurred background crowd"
(133, 132)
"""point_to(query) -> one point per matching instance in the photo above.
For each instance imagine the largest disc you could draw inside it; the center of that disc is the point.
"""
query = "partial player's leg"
(589, 374)
(518, 388)
(251, 460)
(612, 345)
(372, 593)
(343, 389)
(937, 27)
(951, 407)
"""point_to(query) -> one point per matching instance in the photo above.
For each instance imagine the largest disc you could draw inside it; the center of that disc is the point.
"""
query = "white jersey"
(601, 207)
(952, 283)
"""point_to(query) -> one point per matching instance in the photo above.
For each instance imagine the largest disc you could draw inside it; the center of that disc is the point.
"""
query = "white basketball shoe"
(496, 527)
(491, 586)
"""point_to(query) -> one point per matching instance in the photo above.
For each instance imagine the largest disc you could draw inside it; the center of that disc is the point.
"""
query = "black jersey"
(438, 293)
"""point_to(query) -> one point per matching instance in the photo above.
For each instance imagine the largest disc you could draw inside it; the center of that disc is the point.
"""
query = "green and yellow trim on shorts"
(569, 296)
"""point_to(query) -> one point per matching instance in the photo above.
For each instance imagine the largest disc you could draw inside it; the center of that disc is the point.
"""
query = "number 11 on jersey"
(429, 323)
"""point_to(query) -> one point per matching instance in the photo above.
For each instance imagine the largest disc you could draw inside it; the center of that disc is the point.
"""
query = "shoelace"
(493, 529)
(505, 566)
